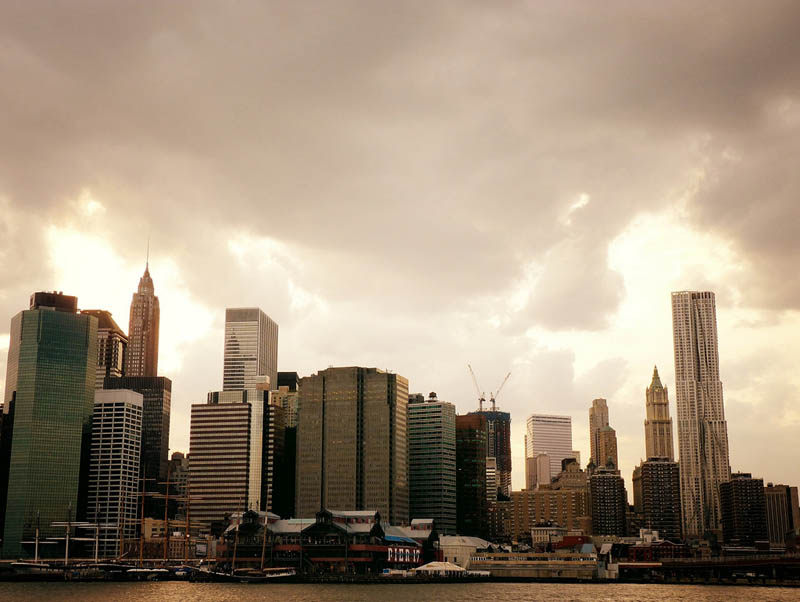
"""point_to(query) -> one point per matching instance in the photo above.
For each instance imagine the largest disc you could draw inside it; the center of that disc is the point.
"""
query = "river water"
(496, 592)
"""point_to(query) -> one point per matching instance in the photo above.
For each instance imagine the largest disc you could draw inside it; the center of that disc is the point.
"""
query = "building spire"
(147, 257)
(656, 384)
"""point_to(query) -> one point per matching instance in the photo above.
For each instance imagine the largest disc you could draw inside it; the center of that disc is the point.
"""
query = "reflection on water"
(497, 592)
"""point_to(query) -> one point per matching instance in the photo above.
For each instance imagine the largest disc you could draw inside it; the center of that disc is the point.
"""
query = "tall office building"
(112, 345)
(498, 446)
(658, 424)
(702, 430)
(744, 512)
(157, 395)
(352, 443)
(598, 418)
(783, 511)
(657, 497)
(607, 447)
(50, 385)
(251, 349)
(114, 467)
(142, 353)
(551, 435)
(472, 505)
(432, 461)
(235, 444)
(609, 502)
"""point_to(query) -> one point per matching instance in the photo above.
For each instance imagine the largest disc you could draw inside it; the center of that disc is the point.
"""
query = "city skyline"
(412, 200)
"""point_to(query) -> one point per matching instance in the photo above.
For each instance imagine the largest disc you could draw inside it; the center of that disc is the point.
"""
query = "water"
(496, 592)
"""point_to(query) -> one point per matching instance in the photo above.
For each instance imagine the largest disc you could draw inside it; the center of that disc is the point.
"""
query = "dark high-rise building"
(609, 502)
(783, 511)
(432, 461)
(50, 386)
(157, 394)
(251, 349)
(744, 513)
(112, 344)
(352, 443)
(659, 493)
(142, 354)
(472, 505)
(178, 471)
(498, 445)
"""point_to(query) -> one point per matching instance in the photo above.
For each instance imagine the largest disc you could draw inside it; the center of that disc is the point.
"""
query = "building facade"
(744, 512)
(287, 396)
(472, 505)
(352, 443)
(659, 497)
(498, 446)
(609, 502)
(432, 461)
(112, 346)
(658, 424)
(702, 429)
(551, 435)
(235, 444)
(783, 512)
(178, 473)
(157, 401)
(141, 358)
(251, 349)
(514, 519)
(607, 447)
(598, 418)
(50, 380)
(114, 468)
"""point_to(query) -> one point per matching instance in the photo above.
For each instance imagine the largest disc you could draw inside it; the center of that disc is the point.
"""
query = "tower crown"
(656, 382)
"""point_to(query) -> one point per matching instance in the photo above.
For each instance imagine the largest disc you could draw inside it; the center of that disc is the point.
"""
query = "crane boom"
(481, 395)
(497, 394)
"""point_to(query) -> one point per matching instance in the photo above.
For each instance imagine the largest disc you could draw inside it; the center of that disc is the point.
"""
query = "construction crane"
(493, 396)
(481, 394)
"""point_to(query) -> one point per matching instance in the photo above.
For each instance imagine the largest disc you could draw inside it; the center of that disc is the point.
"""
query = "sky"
(419, 186)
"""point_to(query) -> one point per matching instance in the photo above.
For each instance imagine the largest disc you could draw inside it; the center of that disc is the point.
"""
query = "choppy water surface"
(497, 592)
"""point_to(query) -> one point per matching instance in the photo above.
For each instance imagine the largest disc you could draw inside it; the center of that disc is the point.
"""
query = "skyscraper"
(551, 435)
(609, 502)
(472, 505)
(744, 513)
(50, 385)
(432, 461)
(498, 446)
(658, 424)
(598, 418)
(112, 345)
(607, 447)
(702, 430)
(142, 353)
(235, 444)
(352, 443)
(251, 349)
(783, 511)
(114, 467)
(658, 498)
(157, 395)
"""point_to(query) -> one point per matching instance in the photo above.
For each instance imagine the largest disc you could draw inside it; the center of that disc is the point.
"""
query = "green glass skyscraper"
(50, 383)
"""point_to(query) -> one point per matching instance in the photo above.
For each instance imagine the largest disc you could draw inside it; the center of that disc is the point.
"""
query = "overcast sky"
(420, 185)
